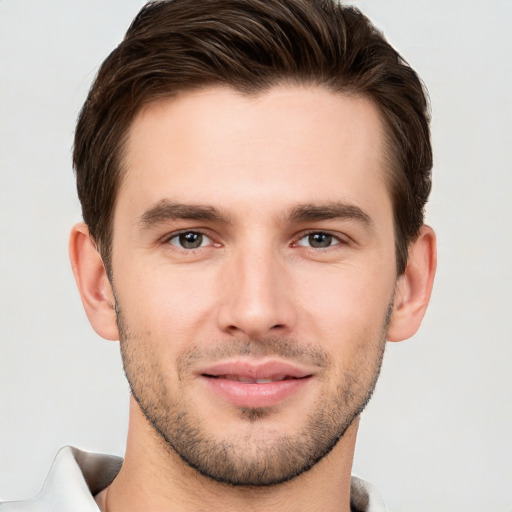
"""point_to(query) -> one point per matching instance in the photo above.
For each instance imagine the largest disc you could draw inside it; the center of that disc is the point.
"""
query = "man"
(252, 177)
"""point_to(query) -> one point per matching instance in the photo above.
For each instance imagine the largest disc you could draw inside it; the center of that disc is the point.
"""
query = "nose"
(257, 296)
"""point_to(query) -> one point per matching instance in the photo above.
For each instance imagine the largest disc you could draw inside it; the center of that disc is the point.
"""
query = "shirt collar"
(77, 476)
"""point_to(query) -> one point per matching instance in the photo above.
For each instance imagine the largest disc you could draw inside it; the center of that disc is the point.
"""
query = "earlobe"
(92, 281)
(414, 287)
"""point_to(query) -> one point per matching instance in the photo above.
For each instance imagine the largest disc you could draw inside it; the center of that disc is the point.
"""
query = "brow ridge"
(333, 210)
(167, 210)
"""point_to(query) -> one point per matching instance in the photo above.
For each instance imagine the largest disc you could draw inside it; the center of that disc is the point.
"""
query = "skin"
(299, 254)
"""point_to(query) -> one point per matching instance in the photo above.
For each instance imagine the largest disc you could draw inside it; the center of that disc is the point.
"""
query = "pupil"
(191, 240)
(320, 240)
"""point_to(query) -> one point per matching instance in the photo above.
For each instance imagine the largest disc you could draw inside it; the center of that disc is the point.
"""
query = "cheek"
(346, 311)
(345, 295)
(167, 303)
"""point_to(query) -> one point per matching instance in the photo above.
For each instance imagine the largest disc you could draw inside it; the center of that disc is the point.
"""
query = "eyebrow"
(166, 210)
(336, 210)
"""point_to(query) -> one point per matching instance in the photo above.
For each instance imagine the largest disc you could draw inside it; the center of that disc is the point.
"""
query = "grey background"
(438, 433)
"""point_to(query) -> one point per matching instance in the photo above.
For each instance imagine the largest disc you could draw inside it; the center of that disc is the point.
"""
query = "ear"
(92, 281)
(414, 287)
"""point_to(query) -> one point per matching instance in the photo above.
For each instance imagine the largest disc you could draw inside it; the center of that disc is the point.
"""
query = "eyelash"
(339, 240)
(168, 239)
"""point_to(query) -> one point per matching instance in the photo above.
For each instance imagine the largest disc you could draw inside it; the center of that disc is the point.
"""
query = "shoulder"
(364, 497)
(74, 478)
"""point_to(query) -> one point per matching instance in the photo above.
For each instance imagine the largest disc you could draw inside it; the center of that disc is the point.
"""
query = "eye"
(318, 240)
(190, 240)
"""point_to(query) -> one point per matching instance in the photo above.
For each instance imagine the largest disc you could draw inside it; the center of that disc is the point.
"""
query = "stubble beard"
(262, 457)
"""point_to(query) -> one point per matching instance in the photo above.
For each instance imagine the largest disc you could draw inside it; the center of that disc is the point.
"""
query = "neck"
(154, 477)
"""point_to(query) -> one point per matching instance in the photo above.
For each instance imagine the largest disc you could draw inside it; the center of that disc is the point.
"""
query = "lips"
(255, 384)
(273, 370)
(251, 380)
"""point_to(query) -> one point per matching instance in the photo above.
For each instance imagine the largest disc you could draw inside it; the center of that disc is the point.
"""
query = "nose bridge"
(257, 300)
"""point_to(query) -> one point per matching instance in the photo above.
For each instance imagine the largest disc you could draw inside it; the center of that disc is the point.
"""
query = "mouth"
(256, 384)
(253, 380)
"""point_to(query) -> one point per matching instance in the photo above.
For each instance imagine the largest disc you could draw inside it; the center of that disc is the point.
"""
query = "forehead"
(288, 144)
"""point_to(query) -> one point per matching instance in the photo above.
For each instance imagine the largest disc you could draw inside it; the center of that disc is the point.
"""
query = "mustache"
(282, 348)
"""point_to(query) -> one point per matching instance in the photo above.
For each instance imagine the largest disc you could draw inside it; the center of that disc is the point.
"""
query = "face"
(254, 269)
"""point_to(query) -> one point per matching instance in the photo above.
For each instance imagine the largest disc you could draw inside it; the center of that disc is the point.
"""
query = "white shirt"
(77, 476)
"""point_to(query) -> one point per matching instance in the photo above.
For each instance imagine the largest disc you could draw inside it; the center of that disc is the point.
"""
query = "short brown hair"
(250, 45)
